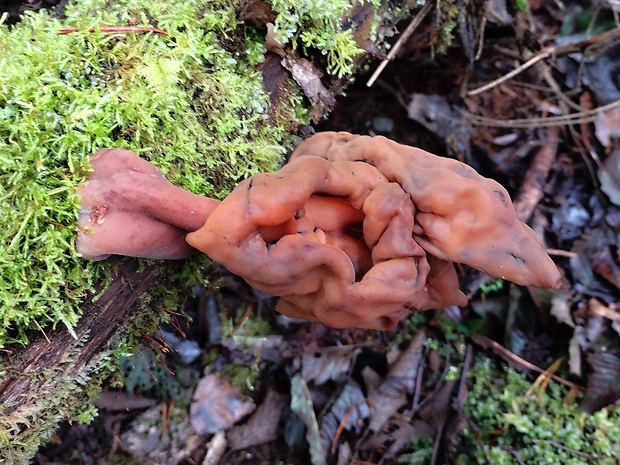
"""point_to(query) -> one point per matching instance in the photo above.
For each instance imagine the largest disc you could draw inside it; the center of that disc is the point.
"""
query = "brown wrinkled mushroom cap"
(461, 216)
(418, 213)
(354, 231)
(130, 208)
(270, 231)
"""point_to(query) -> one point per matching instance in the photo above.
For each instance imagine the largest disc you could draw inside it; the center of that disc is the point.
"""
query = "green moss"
(423, 451)
(183, 100)
(316, 24)
(541, 429)
(242, 377)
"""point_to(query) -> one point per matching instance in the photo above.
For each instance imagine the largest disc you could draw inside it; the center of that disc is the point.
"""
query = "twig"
(341, 427)
(415, 22)
(510, 357)
(561, 253)
(554, 50)
(113, 30)
(442, 425)
(544, 379)
(515, 454)
(534, 180)
(438, 438)
(518, 70)
(469, 355)
(586, 116)
(438, 385)
(555, 87)
(506, 77)
(415, 402)
(568, 449)
(478, 435)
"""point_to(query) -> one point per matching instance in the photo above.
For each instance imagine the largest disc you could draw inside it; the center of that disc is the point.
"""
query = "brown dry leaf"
(397, 433)
(399, 384)
(327, 364)
(262, 426)
(438, 116)
(605, 263)
(434, 412)
(217, 405)
(346, 413)
(609, 176)
(603, 387)
(607, 126)
(309, 77)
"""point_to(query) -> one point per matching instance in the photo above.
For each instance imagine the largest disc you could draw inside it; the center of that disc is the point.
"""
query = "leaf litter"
(549, 134)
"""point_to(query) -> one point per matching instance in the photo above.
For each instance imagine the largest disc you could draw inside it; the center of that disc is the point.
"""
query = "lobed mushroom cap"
(356, 231)
(461, 216)
(297, 234)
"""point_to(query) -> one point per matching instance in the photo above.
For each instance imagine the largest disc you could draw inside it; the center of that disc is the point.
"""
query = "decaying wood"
(45, 382)
(101, 321)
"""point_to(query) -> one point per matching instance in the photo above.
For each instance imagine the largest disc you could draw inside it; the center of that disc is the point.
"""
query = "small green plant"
(517, 428)
(422, 454)
(242, 377)
(316, 24)
(244, 325)
(494, 286)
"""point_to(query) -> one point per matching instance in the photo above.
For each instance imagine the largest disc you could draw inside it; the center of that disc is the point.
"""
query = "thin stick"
(509, 356)
(518, 70)
(599, 40)
(568, 449)
(415, 22)
(585, 116)
(113, 30)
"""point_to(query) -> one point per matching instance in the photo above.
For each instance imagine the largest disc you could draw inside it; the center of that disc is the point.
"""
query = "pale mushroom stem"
(130, 208)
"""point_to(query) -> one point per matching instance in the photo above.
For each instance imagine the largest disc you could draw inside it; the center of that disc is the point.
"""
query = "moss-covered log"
(214, 95)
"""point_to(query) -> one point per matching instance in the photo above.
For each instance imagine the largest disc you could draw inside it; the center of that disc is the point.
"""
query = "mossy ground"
(183, 101)
(512, 421)
(542, 428)
(190, 101)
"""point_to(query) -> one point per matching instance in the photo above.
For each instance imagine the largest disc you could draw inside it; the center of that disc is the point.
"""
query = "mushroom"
(332, 240)
(129, 208)
(353, 231)
(461, 216)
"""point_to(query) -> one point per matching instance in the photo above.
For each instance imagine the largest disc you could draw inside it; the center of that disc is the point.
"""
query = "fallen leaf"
(301, 404)
(603, 387)
(398, 385)
(262, 426)
(309, 77)
(327, 364)
(217, 406)
(607, 126)
(561, 311)
(346, 413)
